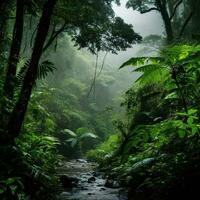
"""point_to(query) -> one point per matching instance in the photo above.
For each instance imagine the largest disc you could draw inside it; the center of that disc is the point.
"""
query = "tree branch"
(185, 23)
(149, 10)
(93, 84)
(175, 8)
(53, 36)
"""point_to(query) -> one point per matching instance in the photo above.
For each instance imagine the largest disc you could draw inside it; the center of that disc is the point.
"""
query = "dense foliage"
(162, 127)
(59, 102)
(36, 110)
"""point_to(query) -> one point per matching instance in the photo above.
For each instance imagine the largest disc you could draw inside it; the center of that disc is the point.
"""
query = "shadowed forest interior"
(100, 100)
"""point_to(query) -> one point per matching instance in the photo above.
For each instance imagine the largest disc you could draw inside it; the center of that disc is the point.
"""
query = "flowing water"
(91, 185)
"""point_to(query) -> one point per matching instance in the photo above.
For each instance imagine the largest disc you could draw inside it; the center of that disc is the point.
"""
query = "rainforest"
(99, 99)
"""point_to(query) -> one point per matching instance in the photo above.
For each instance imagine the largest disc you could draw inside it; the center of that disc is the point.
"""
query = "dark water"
(94, 190)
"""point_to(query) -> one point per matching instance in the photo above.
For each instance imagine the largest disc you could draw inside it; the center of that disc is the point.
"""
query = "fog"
(144, 24)
(83, 63)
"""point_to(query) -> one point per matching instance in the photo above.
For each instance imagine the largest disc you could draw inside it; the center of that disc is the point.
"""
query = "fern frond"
(153, 76)
(44, 68)
(135, 61)
(150, 67)
(22, 72)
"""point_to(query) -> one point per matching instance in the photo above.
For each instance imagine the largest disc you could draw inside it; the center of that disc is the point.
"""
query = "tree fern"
(135, 61)
(44, 68)
(22, 72)
(153, 76)
(153, 69)
(156, 69)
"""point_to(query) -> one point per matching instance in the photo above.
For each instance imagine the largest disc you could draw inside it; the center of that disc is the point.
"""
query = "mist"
(99, 102)
(79, 61)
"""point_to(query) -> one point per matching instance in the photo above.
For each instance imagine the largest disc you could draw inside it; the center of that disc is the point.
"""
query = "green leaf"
(194, 130)
(135, 61)
(147, 68)
(181, 133)
(153, 76)
(172, 95)
(73, 142)
(44, 68)
(190, 120)
(192, 111)
(9, 181)
(182, 114)
(2, 191)
(70, 132)
(52, 140)
(88, 135)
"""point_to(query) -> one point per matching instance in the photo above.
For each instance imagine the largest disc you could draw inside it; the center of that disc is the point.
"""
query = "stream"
(88, 184)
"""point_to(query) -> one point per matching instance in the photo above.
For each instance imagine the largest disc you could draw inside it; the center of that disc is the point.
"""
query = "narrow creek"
(86, 183)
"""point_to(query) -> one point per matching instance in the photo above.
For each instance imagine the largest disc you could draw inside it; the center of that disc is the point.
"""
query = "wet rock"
(97, 174)
(64, 195)
(91, 193)
(91, 179)
(84, 188)
(60, 164)
(81, 160)
(112, 184)
(128, 180)
(68, 181)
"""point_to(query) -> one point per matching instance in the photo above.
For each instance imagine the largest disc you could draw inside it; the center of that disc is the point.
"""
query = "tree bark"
(3, 24)
(20, 108)
(166, 19)
(13, 60)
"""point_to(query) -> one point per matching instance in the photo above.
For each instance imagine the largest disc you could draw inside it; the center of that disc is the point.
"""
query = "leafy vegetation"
(162, 126)
(59, 102)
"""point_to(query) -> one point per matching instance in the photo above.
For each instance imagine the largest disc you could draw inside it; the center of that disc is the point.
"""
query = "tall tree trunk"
(166, 19)
(14, 51)
(4, 11)
(3, 27)
(20, 108)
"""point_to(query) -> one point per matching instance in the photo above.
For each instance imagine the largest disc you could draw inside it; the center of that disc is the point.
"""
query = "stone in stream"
(91, 179)
(84, 190)
(112, 184)
(64, 195)
(91, 193)
(100, 185)
(81, 160)
(97, 174)
(68, 181)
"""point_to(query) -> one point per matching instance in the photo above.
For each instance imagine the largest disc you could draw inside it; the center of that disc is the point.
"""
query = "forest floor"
(86, 182)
